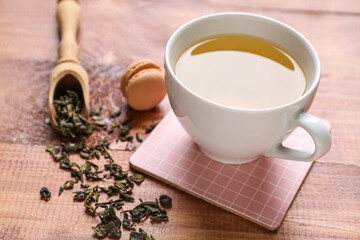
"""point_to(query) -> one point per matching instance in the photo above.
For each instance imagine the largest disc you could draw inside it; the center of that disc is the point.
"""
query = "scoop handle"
(68, 14)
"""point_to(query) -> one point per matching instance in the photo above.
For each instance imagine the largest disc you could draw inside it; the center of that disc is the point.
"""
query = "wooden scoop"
(68, 74)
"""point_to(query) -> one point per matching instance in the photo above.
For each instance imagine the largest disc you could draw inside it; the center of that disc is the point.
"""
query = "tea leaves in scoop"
(70, 121)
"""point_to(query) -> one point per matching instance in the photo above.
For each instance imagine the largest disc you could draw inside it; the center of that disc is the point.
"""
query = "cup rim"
(187, 25)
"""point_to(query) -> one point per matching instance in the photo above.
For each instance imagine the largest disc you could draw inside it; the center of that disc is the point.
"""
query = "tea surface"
(241, 71)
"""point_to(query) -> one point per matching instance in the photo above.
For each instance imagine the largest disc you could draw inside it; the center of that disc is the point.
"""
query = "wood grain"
(113, 34)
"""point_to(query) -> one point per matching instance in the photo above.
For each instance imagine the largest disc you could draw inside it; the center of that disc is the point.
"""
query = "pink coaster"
(260, 191)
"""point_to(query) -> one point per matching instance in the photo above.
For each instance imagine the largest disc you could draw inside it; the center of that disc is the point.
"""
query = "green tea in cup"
(241, 71)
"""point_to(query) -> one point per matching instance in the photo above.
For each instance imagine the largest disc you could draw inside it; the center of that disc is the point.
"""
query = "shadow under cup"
(228, 134)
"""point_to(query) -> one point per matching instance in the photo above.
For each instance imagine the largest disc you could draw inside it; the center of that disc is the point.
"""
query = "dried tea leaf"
(77, 175)
(150, 128)
(50, 148)
(69, 184)
(96, 112)
(81, 195)
(117, 204)
(115, 171)
(138, 138)
(97, 118)
(124, 130)
(145, 236)
(45, 193)
(126, 139)
(137, 178)
(126, 121)
(100, 230)
(84, 155)
(112, 191)
(54, 151)
(165, 200)
(141, 235)
(113, 126)
(87, 168)
(160, 217)
(112, 204)
(97, 154)
(127, 224)
(126, 197)
(110, 224)
(71, 122)
(116, 113)
(85, 185)
(145, 209)
(152, 210)
(120, 185)
(137, 214)
(135, 236)
(89, 198)
(61, 189)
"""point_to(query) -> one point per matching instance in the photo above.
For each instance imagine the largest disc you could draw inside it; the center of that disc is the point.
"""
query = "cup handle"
(319, 133)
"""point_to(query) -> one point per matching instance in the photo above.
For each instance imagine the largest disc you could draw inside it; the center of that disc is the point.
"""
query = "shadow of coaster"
(260, 191)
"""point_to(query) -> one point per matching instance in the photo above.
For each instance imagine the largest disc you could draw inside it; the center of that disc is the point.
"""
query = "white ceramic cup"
(234, 135)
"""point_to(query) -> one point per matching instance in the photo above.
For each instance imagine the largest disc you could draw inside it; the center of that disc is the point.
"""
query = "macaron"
(143, 85)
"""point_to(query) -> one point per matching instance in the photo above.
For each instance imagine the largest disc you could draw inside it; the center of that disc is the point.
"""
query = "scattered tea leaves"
(73, 124)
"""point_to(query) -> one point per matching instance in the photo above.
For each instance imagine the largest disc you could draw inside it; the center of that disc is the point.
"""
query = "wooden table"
(113, 33)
